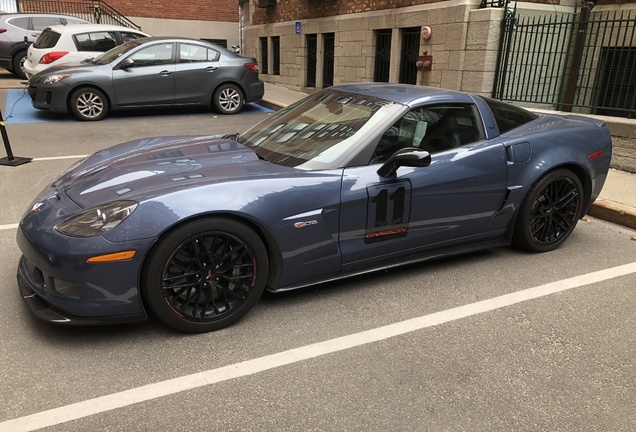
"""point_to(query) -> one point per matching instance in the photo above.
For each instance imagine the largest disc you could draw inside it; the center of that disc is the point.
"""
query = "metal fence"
(582, 61)
(95, 11)
(8, 6)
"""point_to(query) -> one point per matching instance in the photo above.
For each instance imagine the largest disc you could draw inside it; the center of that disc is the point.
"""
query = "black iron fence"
(583, 61)
(95, 11)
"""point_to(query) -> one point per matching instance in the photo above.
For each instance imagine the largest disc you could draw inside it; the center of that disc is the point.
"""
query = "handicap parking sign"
(297, 27)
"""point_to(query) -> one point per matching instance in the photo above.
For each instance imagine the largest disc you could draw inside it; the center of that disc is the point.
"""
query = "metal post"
(10, 160)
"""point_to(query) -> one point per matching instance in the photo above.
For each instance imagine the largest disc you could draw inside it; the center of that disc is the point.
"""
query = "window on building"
(382, 55)
(409, 53)
(276, 55)
(329, 45)
(264, 56)
(312, 57)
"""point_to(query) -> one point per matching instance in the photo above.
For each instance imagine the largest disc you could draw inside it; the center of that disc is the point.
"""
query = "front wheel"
(205, 275)
(549, 212)
(228, 99)
(89, 104)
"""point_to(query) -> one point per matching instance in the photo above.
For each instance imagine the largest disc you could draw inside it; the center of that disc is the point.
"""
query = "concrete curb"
(614, 212)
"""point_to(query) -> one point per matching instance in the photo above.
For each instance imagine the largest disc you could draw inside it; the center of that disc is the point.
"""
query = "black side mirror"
(410, 156)
(127, 63)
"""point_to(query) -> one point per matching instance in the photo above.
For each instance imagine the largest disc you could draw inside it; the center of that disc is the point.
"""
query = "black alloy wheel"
(206, 275)
(549, 212)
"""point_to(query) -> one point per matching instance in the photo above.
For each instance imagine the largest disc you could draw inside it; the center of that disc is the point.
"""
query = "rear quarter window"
(47, 39)
(21, 22)
(40, 23)
(508, 117)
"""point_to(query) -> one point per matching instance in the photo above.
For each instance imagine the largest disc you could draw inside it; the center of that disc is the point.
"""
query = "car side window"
(74, 21)
(95, 41)
(159, 54)
(22, 22)
(40, 23)
(190, 53)
(433, 128)
(128, 36)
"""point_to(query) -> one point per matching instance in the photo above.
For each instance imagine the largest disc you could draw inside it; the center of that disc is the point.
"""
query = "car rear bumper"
(254, 91)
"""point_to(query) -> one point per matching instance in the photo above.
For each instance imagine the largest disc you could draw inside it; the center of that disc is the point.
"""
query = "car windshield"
(320, 131)
(117, 52)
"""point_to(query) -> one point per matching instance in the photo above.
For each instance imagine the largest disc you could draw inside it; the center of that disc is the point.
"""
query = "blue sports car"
(351, 179)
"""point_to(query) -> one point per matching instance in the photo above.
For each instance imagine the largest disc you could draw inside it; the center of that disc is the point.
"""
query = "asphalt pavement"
(493, 341)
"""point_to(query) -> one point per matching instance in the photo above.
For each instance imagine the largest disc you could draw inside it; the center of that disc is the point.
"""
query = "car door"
(150, 79)
(196, 74)
(423, 208)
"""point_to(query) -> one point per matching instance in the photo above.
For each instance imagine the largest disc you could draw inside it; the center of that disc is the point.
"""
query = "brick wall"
(205, 10)
(290, 10)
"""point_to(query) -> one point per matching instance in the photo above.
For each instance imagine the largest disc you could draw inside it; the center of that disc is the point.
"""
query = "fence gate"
(583, 61)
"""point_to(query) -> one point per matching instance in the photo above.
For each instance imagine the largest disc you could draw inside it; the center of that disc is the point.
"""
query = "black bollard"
(10, 160)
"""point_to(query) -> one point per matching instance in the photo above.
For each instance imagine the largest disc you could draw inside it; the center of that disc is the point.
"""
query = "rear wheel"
(17, 62)
(228, 99)
(549, 212)
(205, 275)
(89, 104)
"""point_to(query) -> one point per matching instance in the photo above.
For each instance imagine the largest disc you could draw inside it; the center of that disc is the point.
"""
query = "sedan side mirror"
(410, 156)
(127, 63)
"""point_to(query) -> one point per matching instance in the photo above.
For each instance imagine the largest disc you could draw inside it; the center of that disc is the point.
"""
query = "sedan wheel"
(205, 275)
(228, 99)
(550, 212)
(89, 104)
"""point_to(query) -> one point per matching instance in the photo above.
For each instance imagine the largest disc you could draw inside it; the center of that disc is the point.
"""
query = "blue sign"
(297, 27)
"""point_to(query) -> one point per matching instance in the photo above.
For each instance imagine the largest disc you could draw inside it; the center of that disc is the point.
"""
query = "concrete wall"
(190, 28)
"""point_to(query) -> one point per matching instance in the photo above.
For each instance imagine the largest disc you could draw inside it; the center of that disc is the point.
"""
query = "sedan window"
(153, 55)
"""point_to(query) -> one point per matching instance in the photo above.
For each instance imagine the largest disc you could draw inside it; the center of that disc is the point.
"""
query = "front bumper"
(41, 309)
(50, 97)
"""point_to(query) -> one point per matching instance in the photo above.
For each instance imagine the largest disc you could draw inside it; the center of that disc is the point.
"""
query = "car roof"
(83, 28)
(406, 94)
(37, 14)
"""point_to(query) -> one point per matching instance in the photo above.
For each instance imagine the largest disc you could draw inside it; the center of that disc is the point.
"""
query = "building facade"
(454, 44)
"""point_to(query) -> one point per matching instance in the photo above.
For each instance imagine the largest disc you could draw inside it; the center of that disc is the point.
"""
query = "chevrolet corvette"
(352, 179)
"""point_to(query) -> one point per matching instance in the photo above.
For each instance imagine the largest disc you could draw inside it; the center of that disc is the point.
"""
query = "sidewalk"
(616, 204)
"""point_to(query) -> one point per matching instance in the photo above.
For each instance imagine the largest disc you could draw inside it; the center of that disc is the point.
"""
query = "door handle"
(211, 68)
(165, 73)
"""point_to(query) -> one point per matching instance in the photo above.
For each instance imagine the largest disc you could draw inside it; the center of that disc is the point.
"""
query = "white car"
(72, 44)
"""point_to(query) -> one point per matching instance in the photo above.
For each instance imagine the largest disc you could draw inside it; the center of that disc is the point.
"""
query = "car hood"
(146, 168)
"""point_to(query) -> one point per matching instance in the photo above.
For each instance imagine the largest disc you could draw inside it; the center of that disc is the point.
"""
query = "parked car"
(72, 44)
(18, 30)
(147, 72)
(352, 179)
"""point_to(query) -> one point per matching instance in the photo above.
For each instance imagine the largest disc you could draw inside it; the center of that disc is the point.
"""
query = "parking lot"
(491, 341)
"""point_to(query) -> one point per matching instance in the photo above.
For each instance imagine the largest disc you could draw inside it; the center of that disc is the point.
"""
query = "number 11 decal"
(388, 211)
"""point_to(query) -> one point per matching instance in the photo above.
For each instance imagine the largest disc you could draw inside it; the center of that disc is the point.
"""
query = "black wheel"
(17, 62)
(89, 104)
(228, 99)
(549, 212)
(205, 275)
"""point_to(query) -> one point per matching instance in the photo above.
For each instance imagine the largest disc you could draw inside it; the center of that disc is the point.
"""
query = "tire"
(549, 212)
(18, 60)
(228, 99)
(195, 289)
(88, 104)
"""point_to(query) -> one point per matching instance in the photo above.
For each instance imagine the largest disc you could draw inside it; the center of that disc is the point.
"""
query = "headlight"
(51, 79)
(97, 220)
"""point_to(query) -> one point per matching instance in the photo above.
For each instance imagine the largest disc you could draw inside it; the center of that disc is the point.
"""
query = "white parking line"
(164, 388)
(8, 226)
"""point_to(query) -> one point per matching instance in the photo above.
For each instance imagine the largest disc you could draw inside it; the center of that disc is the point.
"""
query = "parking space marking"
(250, 367)
(8, 226)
